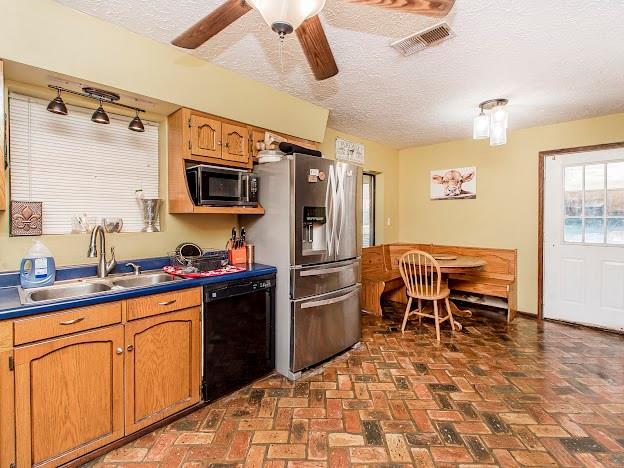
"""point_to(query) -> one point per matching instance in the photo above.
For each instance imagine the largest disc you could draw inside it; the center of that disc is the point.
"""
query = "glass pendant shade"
(100, 116)
(481, 128)
(498, 133)
(292, 13)
(498, 126)
(57, 106)
(500, 115)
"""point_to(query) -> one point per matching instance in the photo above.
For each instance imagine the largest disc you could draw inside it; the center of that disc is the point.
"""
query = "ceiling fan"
(286, 16)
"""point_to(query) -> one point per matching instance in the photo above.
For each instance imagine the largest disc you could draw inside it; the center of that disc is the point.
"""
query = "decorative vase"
(151, 208)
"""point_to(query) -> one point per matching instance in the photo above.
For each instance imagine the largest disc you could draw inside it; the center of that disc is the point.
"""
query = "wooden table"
(460, 264)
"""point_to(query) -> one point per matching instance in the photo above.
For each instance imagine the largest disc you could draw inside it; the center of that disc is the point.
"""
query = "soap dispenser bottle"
(37, 268)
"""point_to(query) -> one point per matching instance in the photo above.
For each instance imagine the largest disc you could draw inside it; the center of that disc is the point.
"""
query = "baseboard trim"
(131, 437)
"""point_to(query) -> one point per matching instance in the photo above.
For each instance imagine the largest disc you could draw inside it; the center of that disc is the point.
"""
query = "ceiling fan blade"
(212, 24)
(316, 48)
(421, 7)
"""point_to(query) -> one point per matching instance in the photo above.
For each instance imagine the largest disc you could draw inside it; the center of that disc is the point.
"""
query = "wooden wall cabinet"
(162, 366)
(73, 390)
(196, 137)
(77, 380)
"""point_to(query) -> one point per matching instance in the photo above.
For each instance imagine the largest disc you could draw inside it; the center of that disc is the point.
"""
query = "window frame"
(605, 217)
(373, 208)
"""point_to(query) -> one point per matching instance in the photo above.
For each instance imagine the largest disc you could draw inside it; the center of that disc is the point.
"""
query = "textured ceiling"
(556, 60)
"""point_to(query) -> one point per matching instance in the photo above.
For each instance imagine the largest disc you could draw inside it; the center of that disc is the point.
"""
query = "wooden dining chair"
(421, 274)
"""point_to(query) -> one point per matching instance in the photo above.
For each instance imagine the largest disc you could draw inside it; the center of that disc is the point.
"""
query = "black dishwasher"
(239, 334)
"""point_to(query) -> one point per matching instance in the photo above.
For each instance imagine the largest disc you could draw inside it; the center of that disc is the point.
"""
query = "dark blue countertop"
(11, 307)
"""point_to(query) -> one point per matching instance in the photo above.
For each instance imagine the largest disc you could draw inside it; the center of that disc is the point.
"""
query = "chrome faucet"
(104, 267)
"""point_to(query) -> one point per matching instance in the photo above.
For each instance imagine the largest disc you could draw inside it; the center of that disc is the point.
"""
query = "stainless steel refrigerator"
(311, 232)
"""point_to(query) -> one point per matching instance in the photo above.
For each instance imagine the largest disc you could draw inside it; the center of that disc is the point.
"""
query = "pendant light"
(57, 106)
(284, 16)
(498, 126)
(493, 125)
(481, 126)
(100, 116)
(136, 125)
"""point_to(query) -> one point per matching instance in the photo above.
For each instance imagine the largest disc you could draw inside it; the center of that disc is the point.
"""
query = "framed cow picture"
(454, 184)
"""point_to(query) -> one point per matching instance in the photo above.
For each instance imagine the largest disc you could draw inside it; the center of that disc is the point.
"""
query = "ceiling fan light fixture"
(284, 16)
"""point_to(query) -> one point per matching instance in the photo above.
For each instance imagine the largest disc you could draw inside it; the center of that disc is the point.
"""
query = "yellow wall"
(81, 46)
(383, 161)
(48, 35)
(504, 213)
(205, 230)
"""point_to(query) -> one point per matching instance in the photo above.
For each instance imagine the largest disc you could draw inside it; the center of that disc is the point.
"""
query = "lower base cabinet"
(69, 396)
(162, 366)
(81, 391)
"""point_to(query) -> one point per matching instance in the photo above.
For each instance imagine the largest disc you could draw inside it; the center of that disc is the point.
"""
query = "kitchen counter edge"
(11, 307)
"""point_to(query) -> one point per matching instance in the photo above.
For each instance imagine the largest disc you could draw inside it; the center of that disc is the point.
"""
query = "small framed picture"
(454, 184)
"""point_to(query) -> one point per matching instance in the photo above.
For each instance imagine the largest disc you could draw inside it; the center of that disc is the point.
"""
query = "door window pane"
(594, 177)
(593, 200)
(368, 210)
(615, 175)
(594, 230)
(594, 190)
(615, 203)
(615, 230)
(573, 176)
(573, 230)
(573, 203)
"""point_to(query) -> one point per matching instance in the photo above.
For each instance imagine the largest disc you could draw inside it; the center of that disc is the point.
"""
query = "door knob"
(119, 350)
(130, 348)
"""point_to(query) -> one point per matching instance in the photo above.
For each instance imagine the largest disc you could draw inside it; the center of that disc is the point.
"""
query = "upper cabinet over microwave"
(212, 140)
(197, 137)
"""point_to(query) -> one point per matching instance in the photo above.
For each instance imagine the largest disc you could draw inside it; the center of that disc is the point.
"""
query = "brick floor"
(528, 394)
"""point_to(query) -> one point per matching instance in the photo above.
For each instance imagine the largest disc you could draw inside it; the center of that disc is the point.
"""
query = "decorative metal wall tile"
(26, 218)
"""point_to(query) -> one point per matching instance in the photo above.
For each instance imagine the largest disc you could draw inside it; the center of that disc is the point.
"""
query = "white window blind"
(76, 166)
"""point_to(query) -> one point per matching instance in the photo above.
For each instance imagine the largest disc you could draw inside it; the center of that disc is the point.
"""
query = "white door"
(584, 238)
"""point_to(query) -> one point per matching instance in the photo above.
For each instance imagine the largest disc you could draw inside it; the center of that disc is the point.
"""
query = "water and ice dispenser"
(314, 230)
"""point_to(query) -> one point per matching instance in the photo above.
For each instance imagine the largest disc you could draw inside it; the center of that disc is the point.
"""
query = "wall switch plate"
(388, 222)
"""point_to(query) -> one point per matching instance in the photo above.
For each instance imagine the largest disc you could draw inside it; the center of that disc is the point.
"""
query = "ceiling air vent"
(423, 39)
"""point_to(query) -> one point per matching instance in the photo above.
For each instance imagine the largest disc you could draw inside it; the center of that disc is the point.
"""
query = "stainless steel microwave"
(221, 186)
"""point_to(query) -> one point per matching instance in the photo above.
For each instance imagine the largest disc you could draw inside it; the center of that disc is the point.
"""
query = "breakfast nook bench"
(381, 276)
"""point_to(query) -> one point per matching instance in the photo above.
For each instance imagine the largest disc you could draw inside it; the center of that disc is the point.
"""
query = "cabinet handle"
(219, 143)
(71, 322)
(166, 303)
(119, 350)
(130, 348)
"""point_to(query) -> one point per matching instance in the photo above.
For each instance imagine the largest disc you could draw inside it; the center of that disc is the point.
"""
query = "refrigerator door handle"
(329, 205)
(340, 205)
(333, 300)
(326, 271)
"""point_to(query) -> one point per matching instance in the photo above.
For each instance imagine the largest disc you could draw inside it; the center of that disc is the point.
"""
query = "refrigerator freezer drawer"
(323, 326)
(320, 279)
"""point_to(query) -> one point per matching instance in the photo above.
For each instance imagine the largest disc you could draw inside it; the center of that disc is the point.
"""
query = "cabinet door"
(69, 396)
(205, 136)
(235, 143)
(162, 366)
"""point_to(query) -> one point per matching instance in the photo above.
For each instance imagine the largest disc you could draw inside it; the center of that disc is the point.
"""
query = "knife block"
(238, 255)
